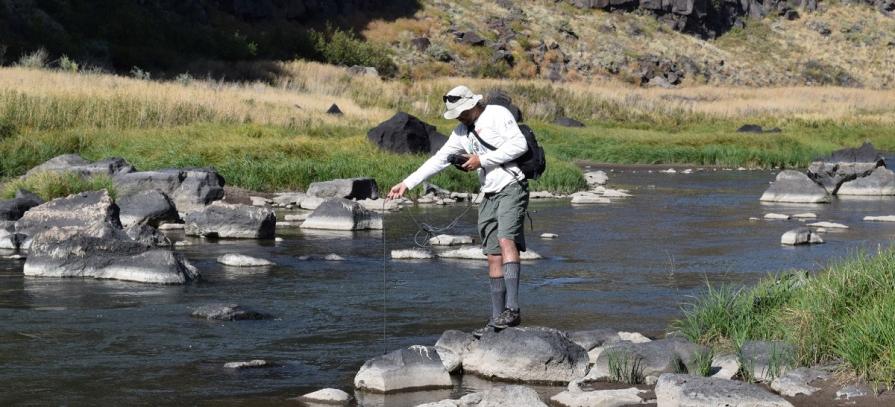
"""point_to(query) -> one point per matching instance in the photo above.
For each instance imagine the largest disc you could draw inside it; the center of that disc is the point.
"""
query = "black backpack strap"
(492, 148)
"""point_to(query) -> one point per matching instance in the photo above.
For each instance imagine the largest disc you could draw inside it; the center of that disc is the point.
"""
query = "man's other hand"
(397, 191)
(473, 163)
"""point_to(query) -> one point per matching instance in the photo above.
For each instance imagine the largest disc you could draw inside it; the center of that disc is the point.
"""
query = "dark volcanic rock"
(232, 221)
(334, 109)
(526, 354)
(567, 122)
(147, 207)
(352, 188)
(75, 164)
(190, 189)
(404, 133)
(14, 209)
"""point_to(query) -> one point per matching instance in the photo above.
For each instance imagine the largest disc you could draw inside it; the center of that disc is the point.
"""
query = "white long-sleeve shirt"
(497, 127)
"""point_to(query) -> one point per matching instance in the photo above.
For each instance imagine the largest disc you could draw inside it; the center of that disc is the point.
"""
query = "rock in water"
(404, 133)
(189, 189)
(327, 396)
(342, 214)
(150, 207)
(243, 365)
(845, 165)
(227, 312)
(450, 240)
(475, 253)
(241, 260)
(526, 354)
(232, 221)
(451, 347)
(14, 209)
(596, 178)
(800, 236)
(880, 182)
(411, 254)
(621, 397)
(679, 390)
(417, 367)
(352, 188)
(793, 186)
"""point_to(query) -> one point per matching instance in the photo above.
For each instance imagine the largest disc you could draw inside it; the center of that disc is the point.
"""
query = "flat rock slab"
(887, 218)
(342, 214)
(241, 260)
(413, 368)
(76, 164)
(596, 177)
(499, 396)
(679, 390)
(529, 354)
(806, 215)
(246, 365)
(150, 207)
(351, 188)
(589, 198)
(880, 182)
(828, 225)
(800, 236)
(327, 396)
(450, 240)
(776, 216)
(599, 398)
(796, 187)
(797, 381)
(411, 254)
(475, 253)
(227, 312)
(232, 221)
(654, 357)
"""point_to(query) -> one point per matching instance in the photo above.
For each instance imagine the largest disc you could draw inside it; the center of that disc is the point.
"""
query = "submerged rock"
(243, 365)
(450, 240)
(800, 236)
(241, 260)
(232, 221)
(227, 312)
(526, 354)
(416, 367)
(327, 396)
(342, 214)
(793, 186)
(678, 390)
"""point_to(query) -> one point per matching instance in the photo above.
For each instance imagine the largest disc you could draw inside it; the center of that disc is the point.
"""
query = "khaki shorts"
(502, 216)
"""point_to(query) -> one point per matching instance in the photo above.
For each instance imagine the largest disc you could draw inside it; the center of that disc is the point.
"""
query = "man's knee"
(506, 243)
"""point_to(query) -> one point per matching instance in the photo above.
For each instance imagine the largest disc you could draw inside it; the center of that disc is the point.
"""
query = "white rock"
(183, 243)
(333, 257)
(411, 254)
(887, 218)
(311, 202)
(588, 198)
(475, 253)
(541, 195)
(259, 201)
(729, 365)
(615, 193)
(669, 171)
(596, 177)
(285, 224)
(278, 239)
(753, 218)
(243, 365)
(806, 215)
(380, 205)
(776, 216)
(679, 390)
(687, 171)
(327, 396)
(296, 217)
(450, 240)
(549, 235)
(240, 260)
(599, 398)
(404, 369)
(800, 236)
(828, 225)
(171, 226)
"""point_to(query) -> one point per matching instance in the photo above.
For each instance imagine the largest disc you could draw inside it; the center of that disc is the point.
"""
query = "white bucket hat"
(459, 100)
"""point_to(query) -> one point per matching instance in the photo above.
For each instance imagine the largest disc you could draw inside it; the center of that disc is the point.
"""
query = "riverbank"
(278, 136)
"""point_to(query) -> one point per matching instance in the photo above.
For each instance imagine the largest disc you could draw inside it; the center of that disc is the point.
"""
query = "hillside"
(668, 43)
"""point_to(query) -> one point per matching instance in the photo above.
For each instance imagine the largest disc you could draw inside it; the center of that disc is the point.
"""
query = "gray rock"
(189, 189)
(232, 221)
(10, 240)
(241, 260)
(327, 396)
(227, 312)
(725, 366)
(135, 182)
(526, 354)
(150, 207)
(793, 186)
(451, 347)
(880, 182)
(567, 122)
(845, 165)
(503, 396)
(75, 164)
(352, 188)
(289, 198)
(147, 236)
(655, 357)
(411, 254)
(853, 391)
(601, 398)
(14, 209)
(416, 367)
(766, 360)
(450, 240)
(596, 177)
(244, 365)
(797, 381)
(87, 210)
(594, 341)
(678, 390)
(342, 214)
(800, 236)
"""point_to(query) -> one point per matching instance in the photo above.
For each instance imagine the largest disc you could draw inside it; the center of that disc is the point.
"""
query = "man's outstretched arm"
(432, 166)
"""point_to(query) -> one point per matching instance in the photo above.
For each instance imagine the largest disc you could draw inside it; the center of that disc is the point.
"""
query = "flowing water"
(627, 265)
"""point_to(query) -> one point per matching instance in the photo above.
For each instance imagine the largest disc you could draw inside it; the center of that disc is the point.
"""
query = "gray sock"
(498, 293)
(511, 274)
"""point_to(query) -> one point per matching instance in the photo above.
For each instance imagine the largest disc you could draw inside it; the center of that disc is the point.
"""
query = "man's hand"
(473, 163)
(397, 191)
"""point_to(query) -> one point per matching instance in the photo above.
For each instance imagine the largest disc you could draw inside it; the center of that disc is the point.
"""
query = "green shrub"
(37, 59)
(344, 48)
(68, 64)
(140, 74)
(625, 367)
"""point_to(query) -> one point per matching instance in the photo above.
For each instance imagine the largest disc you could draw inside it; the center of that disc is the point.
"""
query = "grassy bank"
(276, 136)
(844, 313)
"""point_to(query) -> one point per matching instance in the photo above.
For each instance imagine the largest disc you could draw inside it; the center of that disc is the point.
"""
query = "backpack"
(533, 162)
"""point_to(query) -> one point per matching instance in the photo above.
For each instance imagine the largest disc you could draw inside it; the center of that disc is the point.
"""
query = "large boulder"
(416, 367)
(796, 187)
(845, 165)
(881, 181)
(654, 357)
(14, 209)
(150, 207)
(526, 354)
(451, 347)
(351, 188)
(342, 214)
(602, 398)
(678, 390)
(404, 133)
(232, 221)
(190, 189)
(81, 236)
(74, 163)
(595, 340)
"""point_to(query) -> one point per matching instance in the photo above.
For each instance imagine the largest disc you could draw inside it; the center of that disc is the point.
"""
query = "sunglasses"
(452, 98)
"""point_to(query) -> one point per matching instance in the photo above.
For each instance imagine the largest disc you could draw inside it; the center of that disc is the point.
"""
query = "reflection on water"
(627, 266)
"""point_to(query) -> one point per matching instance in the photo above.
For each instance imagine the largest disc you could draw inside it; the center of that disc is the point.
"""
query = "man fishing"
(487, 140)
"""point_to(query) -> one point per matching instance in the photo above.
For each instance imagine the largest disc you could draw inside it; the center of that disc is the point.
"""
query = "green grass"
(625, 367)
(846, 313)
(50, 186)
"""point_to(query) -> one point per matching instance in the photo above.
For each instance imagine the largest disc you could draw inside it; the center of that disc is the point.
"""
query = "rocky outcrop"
(413, 368)
(678, 390)
(352, 188)
(189, 189)
(796, 187)
(403, 133)
(342, 214)
(232, 221)
(845, 165)
(526, 354)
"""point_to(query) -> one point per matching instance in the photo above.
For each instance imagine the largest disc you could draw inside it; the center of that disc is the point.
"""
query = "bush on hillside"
(339, 47)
